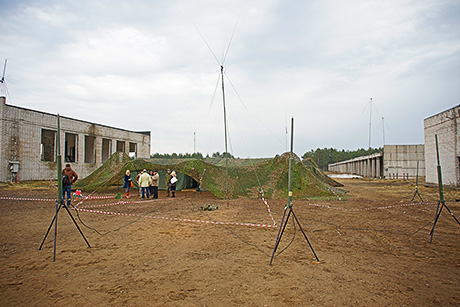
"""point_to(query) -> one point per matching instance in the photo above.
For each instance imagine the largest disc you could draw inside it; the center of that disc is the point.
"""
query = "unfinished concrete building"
(29, 139)
(396, 161)
(366, 166)
(446, 126)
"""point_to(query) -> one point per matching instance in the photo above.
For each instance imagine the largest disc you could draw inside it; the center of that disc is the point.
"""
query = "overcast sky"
(146, 66)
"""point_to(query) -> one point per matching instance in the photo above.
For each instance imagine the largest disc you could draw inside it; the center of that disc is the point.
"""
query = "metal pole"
(59, 179)
(289, 204)
(225, 130)
(370, 122)
(383, 130)
(58, 159)
(441, 201)
(441, 191)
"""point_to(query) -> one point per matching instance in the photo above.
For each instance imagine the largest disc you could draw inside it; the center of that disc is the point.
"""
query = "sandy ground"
(370, 254)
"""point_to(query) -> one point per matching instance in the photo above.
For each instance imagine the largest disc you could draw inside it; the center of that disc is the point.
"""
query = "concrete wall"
(446, 126)
(366, 166)
(396, 161)
(21, 140)
(400, 161)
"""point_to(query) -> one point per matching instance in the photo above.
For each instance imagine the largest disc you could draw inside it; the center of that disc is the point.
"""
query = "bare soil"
(373, 246)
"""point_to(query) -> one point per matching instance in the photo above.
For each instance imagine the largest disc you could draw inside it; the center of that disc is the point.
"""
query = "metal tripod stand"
(441, 202)
(60, 200)
(289, 206)
(54, 221)
(416, 188)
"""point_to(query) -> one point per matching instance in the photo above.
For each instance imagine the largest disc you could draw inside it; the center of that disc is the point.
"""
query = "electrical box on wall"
(14, 166)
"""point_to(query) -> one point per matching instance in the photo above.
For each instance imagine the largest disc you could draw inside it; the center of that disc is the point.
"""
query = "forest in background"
(324, 157)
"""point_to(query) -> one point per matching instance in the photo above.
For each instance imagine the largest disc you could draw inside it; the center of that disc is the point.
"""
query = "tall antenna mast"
(370, 122)
(223, 99)
(383, 130)
(194, 142)
(286, 129)
(225, 130)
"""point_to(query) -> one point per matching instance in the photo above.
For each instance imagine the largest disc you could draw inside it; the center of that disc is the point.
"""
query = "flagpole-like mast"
(225, 131)
(383, 130)
(370, 122)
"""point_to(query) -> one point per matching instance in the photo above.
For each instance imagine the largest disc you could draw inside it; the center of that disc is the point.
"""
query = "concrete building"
(28, 143)
(366, 166)
(400, 161)
(396, 161)
(446, 126)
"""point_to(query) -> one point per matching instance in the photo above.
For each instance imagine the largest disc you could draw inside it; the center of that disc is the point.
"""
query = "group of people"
(148, 183)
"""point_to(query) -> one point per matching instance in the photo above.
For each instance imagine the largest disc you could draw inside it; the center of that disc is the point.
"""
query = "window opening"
(133, 150)
(106, 149)
(47, 149)
(90, 149)
(120, 146)
(71, 147)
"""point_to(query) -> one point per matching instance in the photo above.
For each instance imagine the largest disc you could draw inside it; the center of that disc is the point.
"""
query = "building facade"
(396, 161)
(366, 166)
(446, 126)
(402, 161)
(28, 143)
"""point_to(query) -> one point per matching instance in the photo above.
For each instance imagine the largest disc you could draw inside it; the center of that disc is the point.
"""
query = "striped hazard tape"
(367, 209)
(127, 202)
(86, 208)
(268, 207)
(177, 219)
(27, 199)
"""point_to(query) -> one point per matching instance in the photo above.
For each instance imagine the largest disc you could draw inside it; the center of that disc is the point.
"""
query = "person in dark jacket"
(172, 183)
(127, 184)
(155, 180)
(168, 184)
(69, 178)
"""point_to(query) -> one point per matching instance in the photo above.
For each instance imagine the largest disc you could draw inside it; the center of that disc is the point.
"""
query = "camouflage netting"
(244, 180)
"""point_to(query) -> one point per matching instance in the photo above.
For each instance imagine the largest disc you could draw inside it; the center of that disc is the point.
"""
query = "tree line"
(324, 157)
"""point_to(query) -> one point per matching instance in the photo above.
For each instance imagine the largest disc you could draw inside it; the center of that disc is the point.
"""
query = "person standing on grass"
(172, 183)
(144, 182)
(155, 182)
(127, 184)
(68, 178)
(168, 184)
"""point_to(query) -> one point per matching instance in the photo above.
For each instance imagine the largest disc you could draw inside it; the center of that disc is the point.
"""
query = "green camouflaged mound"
(244, 180)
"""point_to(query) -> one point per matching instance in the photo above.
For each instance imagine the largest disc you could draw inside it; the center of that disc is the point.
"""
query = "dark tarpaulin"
(183, 181)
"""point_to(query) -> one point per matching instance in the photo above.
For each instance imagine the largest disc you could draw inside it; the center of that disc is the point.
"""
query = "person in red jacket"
(68, 178)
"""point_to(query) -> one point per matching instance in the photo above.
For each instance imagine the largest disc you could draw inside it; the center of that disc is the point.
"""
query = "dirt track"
(370, 256)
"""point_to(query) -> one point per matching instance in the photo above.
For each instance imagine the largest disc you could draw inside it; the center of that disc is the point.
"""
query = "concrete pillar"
(372, 170)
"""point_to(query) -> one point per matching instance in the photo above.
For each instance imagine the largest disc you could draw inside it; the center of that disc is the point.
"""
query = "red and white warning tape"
(127, 202)
(367, 209)
(86, 209)
(176, 218)
(268, 207)
(27, 199)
